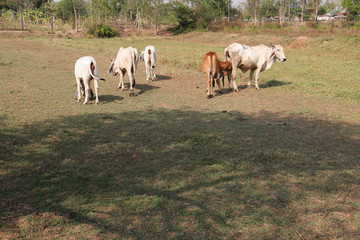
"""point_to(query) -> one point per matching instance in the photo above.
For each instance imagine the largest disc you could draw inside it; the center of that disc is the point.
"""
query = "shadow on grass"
(174, 174)
(162, 78)
(109, 98)
(145, 87)
(269, 84)
(274, 83)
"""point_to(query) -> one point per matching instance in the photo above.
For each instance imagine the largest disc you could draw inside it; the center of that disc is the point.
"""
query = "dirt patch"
(300, 42)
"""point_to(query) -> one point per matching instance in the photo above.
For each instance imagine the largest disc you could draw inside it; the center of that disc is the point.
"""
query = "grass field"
(277, 163)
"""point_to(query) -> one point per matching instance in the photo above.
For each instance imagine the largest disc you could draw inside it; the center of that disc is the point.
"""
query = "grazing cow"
(149, 57)
(86, 70)
(125, 62)
(211, 66)
(256, 59)
(225, 70)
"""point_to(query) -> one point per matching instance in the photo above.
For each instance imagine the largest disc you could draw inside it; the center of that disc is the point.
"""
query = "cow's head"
(278, 53)
(141, 57)
(113, 68)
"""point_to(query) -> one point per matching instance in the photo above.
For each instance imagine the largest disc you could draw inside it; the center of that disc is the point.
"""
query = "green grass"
(278, 163)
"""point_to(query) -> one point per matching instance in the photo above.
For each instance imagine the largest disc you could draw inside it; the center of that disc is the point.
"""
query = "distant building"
(336, 14)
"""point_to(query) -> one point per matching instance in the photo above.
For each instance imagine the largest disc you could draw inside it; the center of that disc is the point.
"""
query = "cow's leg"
(209, 92)
(82, 88)
(96, 86)
(229, 81)
(132, 83)
(250, 77)
(147, 72)
(121, 82)
(87, 90)
(233, 77)
(257, 73)
(218, 82)
(78, 88)
(153, 75)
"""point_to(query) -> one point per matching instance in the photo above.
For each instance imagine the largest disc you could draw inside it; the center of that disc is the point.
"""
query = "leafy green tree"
(183, 17)
(353, 7)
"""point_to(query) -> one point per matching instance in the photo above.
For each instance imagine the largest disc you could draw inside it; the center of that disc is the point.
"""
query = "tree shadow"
(165, 173)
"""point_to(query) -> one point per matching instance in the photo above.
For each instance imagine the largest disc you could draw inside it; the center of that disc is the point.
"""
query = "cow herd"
(256, 59)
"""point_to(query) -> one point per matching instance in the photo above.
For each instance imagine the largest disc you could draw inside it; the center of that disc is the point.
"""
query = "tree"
(282, 12)
(183, 18)
(316, 4)
(353, 7)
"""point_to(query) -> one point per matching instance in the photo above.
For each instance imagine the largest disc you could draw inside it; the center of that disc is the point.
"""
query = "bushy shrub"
(184, 18)
(102, 31)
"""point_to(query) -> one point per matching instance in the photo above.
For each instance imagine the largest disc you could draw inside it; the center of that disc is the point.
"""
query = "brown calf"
(226, 69)
(211, 66)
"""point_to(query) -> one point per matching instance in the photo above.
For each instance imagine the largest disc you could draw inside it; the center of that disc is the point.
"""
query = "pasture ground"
(277, 163)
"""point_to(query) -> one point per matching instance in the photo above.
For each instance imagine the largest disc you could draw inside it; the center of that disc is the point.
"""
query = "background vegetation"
(181, 16)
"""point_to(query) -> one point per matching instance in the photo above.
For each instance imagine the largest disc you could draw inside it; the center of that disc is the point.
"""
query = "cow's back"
(124, 58)
(210, 64)
(82, 67)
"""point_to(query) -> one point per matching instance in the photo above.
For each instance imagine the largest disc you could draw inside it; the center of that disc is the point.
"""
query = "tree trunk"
(282, 12)
(302, 10)
(317, 2)
(75, 16)
(228, 16)
(52, 22)
(256, 11)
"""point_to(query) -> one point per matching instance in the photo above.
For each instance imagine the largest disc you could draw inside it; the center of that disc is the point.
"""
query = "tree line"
(182, 15)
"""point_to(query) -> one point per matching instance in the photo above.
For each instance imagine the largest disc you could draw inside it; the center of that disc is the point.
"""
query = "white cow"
(86, 70)
(256, 59)
(149, 57)
(125, 62)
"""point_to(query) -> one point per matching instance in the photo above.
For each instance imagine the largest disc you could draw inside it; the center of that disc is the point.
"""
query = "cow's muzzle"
(283, 59)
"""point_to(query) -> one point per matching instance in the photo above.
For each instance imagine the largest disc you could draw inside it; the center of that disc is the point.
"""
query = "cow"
(256, 59)
(149, 57)
(86, 70)
(225, 70)
(211, 66)
(125, 62)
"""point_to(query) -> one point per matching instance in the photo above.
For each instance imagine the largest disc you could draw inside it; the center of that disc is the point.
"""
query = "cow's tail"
(214, 65)
(93, 67)
(226, 54)
(213, 69)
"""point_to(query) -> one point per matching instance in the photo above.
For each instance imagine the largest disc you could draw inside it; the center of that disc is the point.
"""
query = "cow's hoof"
(236, 90)
(132, 94)
(96, 103)
(257, 88)
(209, 96)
